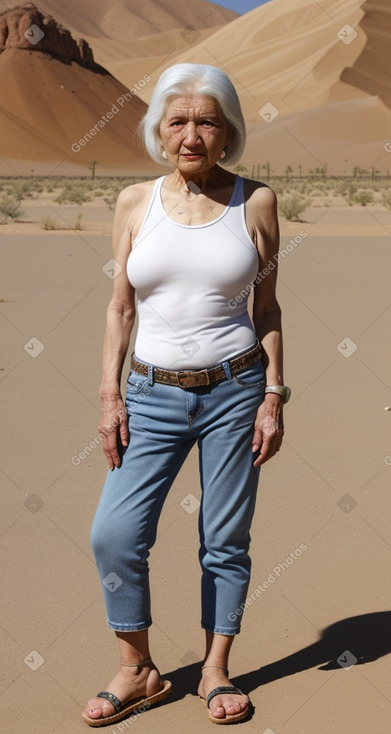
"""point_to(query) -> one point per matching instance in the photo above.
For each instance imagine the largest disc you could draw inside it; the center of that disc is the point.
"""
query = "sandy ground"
(312, 652)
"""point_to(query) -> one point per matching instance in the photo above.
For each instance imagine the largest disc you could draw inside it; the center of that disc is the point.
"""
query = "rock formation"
(26, 27)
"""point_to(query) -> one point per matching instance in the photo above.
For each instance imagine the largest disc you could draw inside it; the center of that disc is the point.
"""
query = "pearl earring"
(223, 154)
(164, 155)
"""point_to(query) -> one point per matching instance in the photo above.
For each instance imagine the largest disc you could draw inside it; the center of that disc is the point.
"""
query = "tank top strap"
(154, 203)
(238, 192)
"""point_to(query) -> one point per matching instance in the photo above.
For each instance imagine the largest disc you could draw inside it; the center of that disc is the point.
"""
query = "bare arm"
(269, 426)
(121, 314)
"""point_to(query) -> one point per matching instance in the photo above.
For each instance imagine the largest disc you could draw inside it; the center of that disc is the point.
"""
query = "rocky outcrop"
(26, 27)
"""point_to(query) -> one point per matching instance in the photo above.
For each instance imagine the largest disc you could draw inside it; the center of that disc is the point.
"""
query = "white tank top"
(192, 285)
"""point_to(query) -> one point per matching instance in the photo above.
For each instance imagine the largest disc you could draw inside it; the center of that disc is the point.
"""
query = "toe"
(98, 708)
(219, 712)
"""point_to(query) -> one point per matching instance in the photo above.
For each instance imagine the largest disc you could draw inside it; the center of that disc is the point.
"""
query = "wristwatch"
(282, 390)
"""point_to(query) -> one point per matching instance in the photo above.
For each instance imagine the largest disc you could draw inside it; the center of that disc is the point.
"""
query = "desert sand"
(326, 491)
(313, 651)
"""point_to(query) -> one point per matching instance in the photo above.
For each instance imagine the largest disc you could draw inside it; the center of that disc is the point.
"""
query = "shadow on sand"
(367, 637)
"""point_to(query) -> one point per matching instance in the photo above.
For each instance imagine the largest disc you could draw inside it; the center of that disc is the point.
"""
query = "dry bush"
(9, 207)
(293, 205)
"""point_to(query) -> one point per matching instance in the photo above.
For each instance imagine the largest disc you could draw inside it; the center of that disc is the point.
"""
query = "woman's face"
(194, 132)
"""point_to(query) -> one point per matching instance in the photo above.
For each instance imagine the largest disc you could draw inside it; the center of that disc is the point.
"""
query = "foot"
(225, 704)
(128, 684)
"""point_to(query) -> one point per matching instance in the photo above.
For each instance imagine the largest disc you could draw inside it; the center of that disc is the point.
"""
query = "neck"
(212, 178)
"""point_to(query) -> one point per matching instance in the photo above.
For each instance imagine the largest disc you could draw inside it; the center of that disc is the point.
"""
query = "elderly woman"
(190, 244)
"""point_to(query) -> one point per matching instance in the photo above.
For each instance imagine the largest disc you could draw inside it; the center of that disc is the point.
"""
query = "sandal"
(228, 718)
(123, 710)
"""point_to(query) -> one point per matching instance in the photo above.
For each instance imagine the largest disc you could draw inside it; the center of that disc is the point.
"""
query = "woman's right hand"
(113, 425)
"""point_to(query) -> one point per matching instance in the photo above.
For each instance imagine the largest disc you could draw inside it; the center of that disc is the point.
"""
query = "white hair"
(185, 79)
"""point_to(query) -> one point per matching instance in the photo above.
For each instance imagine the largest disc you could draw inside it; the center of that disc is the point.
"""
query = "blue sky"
(241, 6)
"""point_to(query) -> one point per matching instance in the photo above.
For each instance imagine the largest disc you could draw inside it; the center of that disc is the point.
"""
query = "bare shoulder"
(259, 194)
(135, 194)
(132, 205)
(261, 211)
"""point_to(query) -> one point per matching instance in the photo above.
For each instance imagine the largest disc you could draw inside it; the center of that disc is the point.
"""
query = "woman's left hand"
(268, 428)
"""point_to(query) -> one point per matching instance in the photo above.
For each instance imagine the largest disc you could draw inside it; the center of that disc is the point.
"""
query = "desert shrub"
(50, 223)
(386, 199)
(9, 207)
(293, 205)
(73, 193)
(110, 201)
(363, 197)
(77, 223)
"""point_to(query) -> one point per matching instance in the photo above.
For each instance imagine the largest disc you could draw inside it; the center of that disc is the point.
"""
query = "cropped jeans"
(165, 421)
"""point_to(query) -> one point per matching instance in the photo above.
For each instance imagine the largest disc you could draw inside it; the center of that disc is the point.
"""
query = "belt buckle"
(195, 378)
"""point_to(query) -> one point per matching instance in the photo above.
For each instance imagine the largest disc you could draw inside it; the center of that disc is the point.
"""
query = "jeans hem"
(220, 630)
(138, 627)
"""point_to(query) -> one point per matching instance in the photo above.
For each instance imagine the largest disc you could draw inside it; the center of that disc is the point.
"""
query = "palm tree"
(92, 167)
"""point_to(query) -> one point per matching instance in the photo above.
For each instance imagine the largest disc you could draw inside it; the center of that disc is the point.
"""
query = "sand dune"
(292, 56)
(130, 61)
(326, 70)
(324, 67)
(126, 20)
(327, 135)
(48, 106)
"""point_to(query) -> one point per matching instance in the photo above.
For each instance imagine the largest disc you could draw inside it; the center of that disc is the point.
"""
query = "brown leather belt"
(198, 378)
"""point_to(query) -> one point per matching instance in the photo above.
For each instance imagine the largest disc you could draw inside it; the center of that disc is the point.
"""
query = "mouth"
(192, 156)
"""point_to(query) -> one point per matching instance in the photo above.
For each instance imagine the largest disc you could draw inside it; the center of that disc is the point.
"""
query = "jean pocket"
(136, 382)
(253, 376)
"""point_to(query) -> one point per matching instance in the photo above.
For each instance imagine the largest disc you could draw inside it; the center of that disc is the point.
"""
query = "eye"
(207, 123)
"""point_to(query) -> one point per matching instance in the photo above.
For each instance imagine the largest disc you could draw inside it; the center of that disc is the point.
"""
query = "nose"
(190, 133)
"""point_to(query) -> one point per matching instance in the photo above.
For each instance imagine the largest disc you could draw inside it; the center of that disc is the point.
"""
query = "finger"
(124, 433)
(111, 451)
(109, 459)
(113, 458)
(257, 439)
(116, 458)
(264, 454)
(270, 446)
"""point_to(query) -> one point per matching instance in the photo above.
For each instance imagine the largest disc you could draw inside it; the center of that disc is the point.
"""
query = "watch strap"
(282, 390)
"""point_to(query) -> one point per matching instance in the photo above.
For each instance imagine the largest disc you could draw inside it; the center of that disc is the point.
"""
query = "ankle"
(139, 665)
(209, 668)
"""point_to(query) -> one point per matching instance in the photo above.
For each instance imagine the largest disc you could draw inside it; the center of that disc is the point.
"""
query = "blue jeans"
(165, 422)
